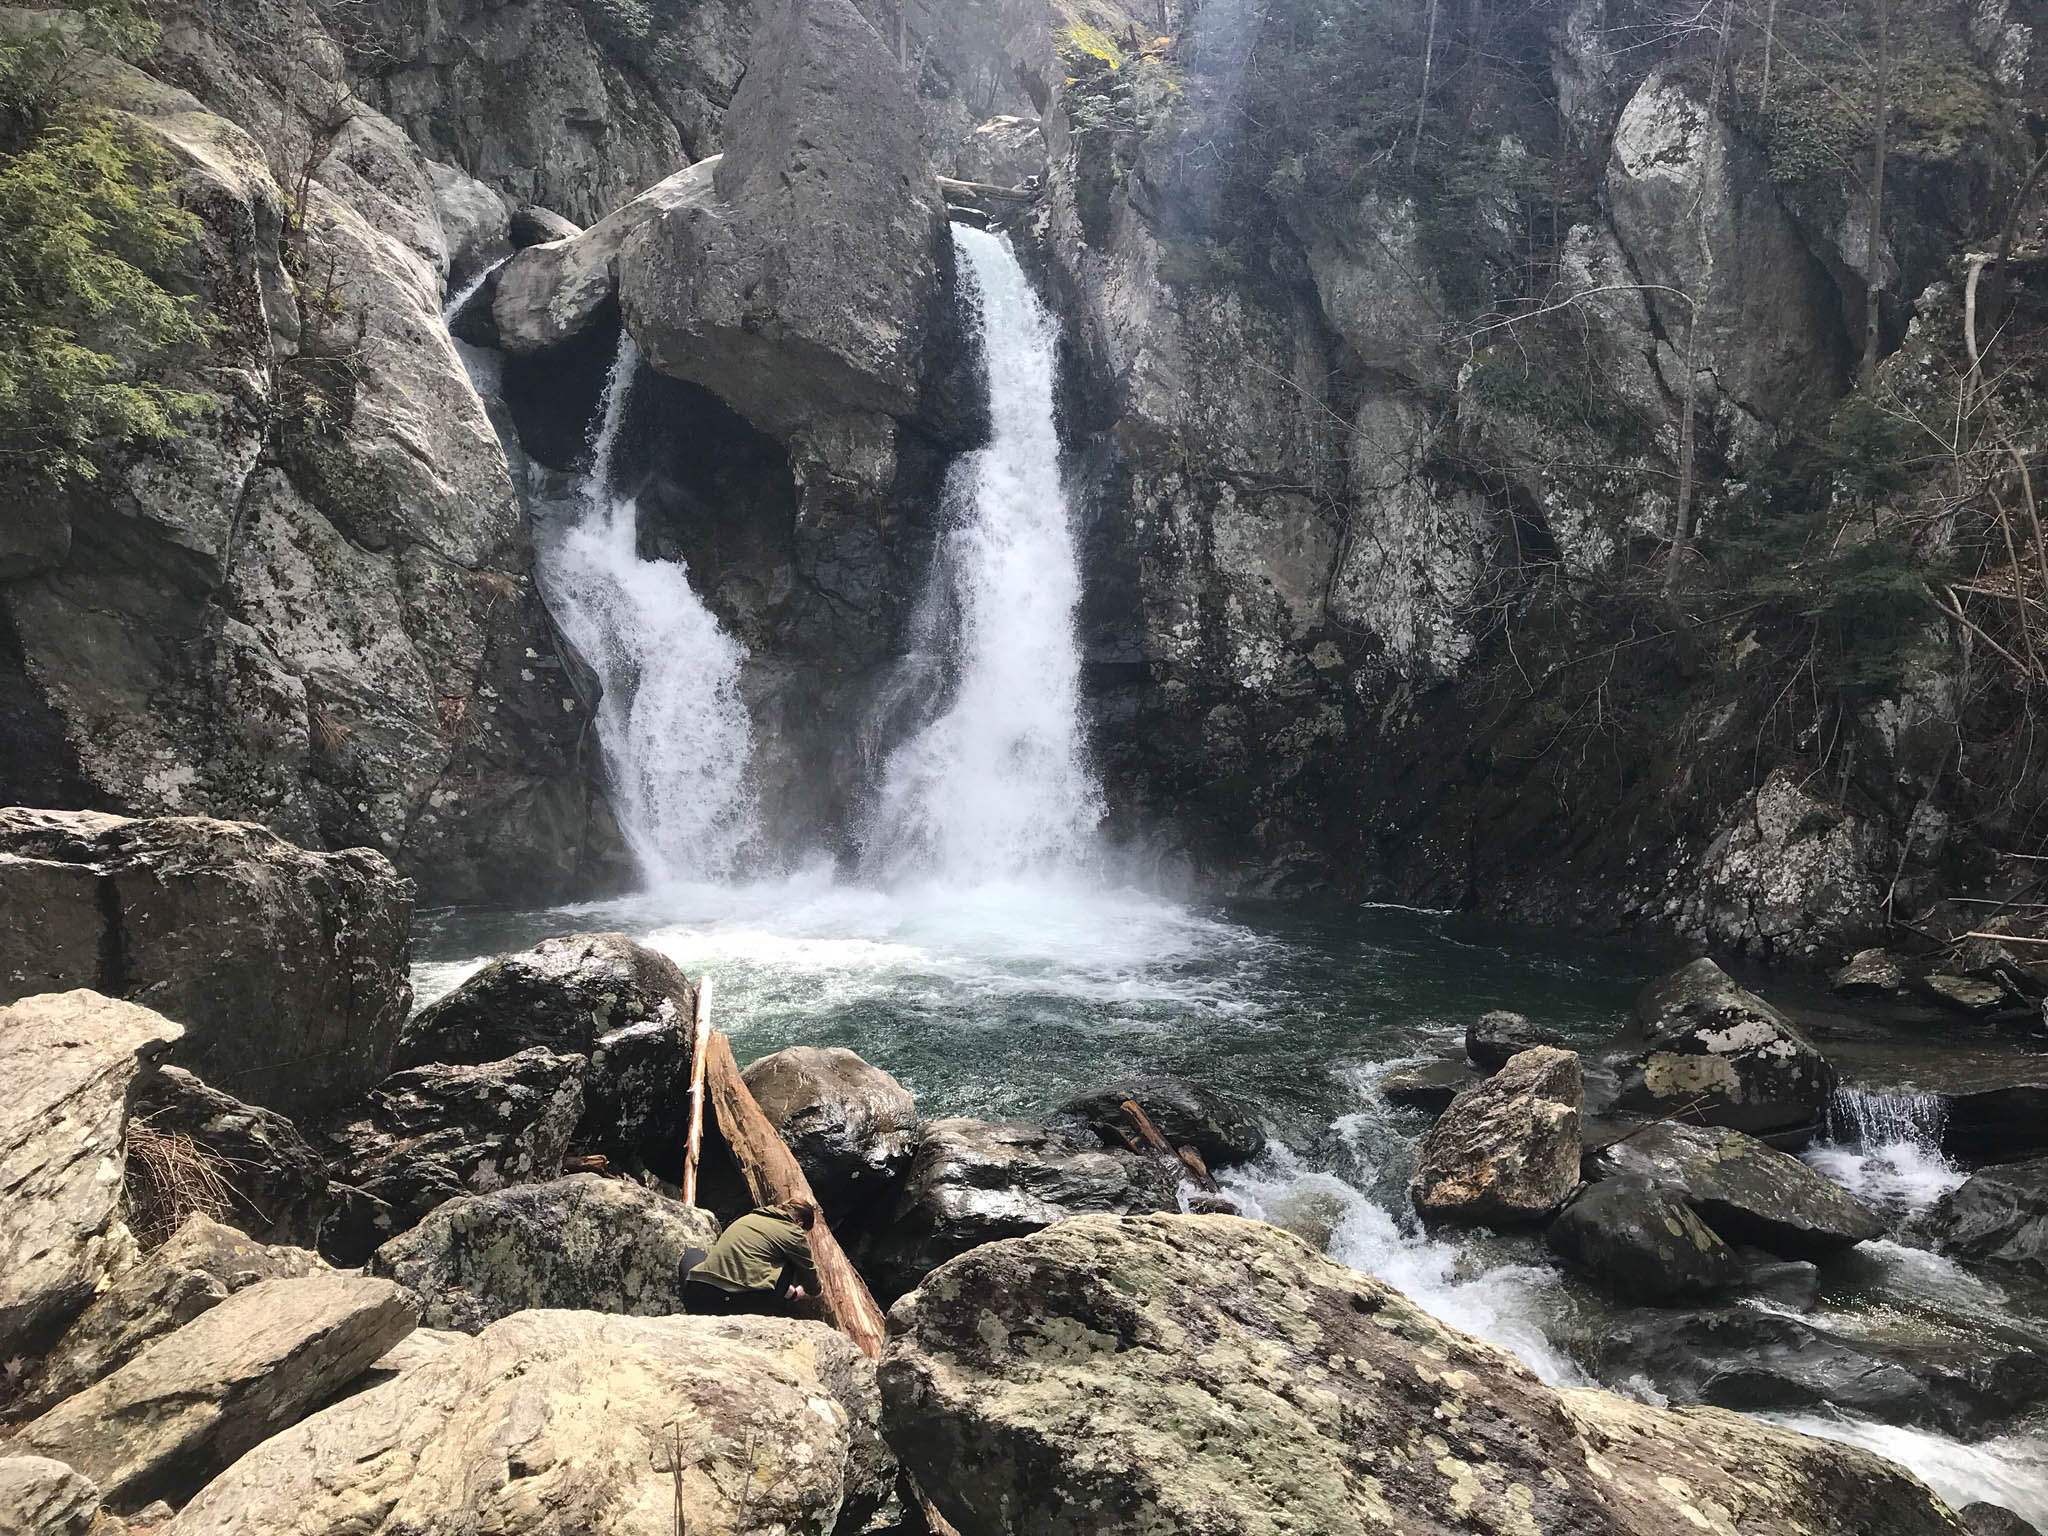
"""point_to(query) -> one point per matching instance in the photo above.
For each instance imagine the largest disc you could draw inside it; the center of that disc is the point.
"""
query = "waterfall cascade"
(673, 728)
(997, 785)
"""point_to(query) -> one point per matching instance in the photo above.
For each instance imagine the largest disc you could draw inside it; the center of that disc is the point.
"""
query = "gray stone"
(69, 1061)
(1492, 1038)
(1972, 995)
(288, 969)
(1186, 1114)
(1507, 1151)
(1982, 1519)
(1998, 1217)
(552, 1422)
(1196, 1374)
(852, 1126)
(277, 1180)
(1746, 1191)
(41, 1497)
(196, 1400)
(582, 1243)
(1003, 152)
(534, 225)
(1431, 1086)
(1642, 1243)
(1870, 973)
(476, 226)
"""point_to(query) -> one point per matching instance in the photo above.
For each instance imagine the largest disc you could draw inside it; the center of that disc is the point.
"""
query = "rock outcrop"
(1998, 1217)
(852, 1126)
(582, 1243)
(1507, 1151)
(1186, 1114)
(193, 1402)
(288, 969)
(279, 1182)
(1642, 1243)
(41, 1497)
(572, 1421)
(69, 1061)
(1178, 1372)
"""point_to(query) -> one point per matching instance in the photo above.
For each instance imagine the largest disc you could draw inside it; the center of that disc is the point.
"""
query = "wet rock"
(69, 1061)
(1993, 1520)
(974, 1181)
(1870, 973)
(583, 1243)
(1493, 1037)
(532, 225)
(1744, 1190)
(1507, 1151)
(476, 226)
(1998, 1216)
(2001, 1124)
(279, 1181)
(1722, 1056)
(1186, 1114)
(1192, 1374)
(288, 969)
(852, 1126)
(196, 1400)
(1642, 1243)
(201, 1265)
(41, 1497)
(552, 1422)
(1971, 995)
(437, 1132)
(1430, 1086)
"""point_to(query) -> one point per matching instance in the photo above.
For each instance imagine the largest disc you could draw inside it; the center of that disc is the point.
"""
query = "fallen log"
(700, 1035)
(1177, 1161)
(957, 191)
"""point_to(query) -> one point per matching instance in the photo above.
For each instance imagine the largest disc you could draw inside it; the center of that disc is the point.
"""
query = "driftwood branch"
(699, 1037)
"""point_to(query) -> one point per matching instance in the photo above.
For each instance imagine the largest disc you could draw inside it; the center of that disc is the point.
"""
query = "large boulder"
(201, 1265)
(288, 969)
(1186, 1114)
(852, 1126)
(974, 1181)
(41, 1497)
(1998, 1216)
(2002, 1122)
(1492, 1039)
(1744, 1190)
(193, 1402)
(1710, 1051)
(69, 1061)
(583, 1243)
(1507, 1151)
(1642, 1243)
(431, 1134)
(277, 1181)
(1197, 1374)
(555, 1422)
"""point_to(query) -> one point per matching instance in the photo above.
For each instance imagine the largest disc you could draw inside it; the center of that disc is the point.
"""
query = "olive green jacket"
(764, 1250)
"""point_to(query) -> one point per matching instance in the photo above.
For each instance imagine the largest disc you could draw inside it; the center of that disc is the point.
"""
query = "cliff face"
(1403, 349)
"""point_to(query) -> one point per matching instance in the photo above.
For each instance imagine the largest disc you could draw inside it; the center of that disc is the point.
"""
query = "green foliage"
(89, 216)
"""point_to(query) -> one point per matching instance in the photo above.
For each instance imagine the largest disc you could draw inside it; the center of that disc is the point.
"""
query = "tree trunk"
(1880, 122)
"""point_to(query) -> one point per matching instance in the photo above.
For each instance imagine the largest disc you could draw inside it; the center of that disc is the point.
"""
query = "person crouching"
(761, 1263)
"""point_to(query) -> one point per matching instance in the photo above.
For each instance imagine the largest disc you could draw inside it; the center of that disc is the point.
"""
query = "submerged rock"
(1492, 1038)
(583, 1243)
(556, 1422)
(278, 1180)
(1186, 1114)
(852, 1126)
(1715, 1053)
(1430, 1086)
(193, 1402)
(41, 1497)
(974, 1181)
(1642, 1243)
(69, 1061)
(288, 969)
(1998, 1216)
(1746, 1191)
(1187, 1375)
(1507, 1151)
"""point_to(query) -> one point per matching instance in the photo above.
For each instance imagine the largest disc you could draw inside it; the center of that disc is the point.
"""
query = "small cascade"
(459, 300)
(1886, 1149)
(996, 786)
(675, 733)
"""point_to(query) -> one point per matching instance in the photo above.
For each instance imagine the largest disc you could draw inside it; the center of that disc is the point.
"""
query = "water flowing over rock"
(852, 1126)
(571, 1421)
(582, 1243)
(287, 968)
(1507, 1150)
(41, 1497)
(1998, 1217)
(1178, 1372)
(196, 1400)
(1643, 1243)
(69, 1061)
(1186, 1114)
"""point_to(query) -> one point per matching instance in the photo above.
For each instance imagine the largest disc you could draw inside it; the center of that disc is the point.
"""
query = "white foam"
(2011, 1471)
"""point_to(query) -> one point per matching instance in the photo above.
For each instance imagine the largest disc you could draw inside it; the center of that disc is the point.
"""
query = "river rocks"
(852, 1126)
(436, 1132)
(1430, 1086)
(1722, 1056)
(1186, 1114)
(1992, 1520)
(41, 1497)
(201, 1265)
(1870, 973)
(288, 969)
(194, 1401)
(2002, 1123)
(1643, 1243)
(1746, 1191)
(974, 1181)
(68, 1061)
(1507, 1151)
(1492, 1038)
(1999, 1217)
(279, 1181)
(1194, 1373)
(552, 1422)
(583, 1243)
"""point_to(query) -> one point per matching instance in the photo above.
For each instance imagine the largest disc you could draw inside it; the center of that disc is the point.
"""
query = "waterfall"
(997, 785)
(674, 731)
(1885, 1148)
(459, 300)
